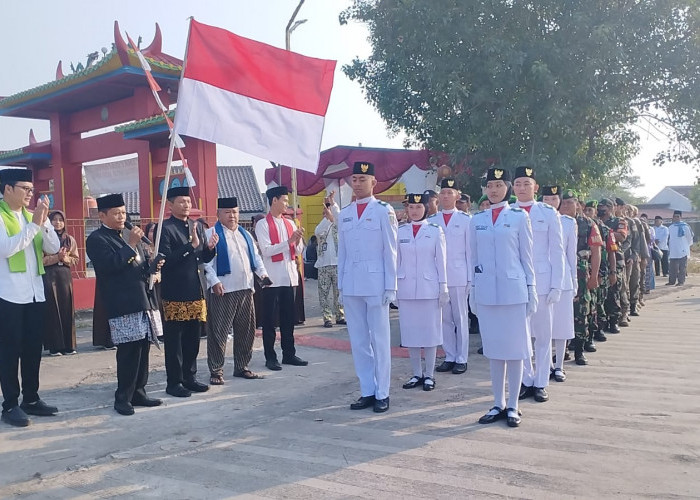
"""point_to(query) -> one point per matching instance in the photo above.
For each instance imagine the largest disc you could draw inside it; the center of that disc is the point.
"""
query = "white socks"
(559, 351)
(514, 370)
(415, 356)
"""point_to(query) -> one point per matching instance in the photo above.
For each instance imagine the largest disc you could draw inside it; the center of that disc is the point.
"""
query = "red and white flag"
(253, 97)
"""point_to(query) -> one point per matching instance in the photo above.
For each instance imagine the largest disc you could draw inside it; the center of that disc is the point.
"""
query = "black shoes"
(123, 408)
(428, 383)
(634, 313)
(589, 346)
(513, 417)
(381, 405)
(194, 386)
(341, 322)
(413, 382)
(541, 395)
(15, 416)
(445, 366)
(178, 391)
(39, 408)
(559, 375)
(327, 324)
(612, 327)
(146, 402)
(492, 417)
(480, 350)
(363, 402)
(294, 361)
(526, 392)
(459, 368)
(273, 365)
(599, 336)
(580, 358)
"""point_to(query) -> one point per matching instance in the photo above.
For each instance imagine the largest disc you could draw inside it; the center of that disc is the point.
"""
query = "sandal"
(216, 380)
(247, 374)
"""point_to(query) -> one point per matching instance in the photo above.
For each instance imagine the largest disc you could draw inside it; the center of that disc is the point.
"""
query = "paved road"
(625, 426)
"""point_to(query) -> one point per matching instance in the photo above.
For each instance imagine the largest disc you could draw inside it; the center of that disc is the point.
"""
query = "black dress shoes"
(559, 375)
(413, 382)
(123, 408)
(428, 384)
(541, 395)
(526, 391)
(273, 365)
(178, 391)
(194, 386)
(294, 361)
(327, 324)
(446, 366)
(362, 403)
(15, 416)
(513, 417)
(381, 405)
(459, 368)
(146, 402)
(38, 408)
(492, 416)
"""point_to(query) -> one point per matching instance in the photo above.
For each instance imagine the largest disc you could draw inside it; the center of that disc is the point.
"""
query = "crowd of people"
(537, 277)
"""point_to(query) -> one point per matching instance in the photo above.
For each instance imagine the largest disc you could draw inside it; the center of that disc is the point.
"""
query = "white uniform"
(455, 314)
(548, 256)
(502, 269)
(366, 269)
(421, 274)
(564, 309)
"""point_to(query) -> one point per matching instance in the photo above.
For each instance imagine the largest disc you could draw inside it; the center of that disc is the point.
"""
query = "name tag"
(506, 225)
(347, 219)
(405, 241)
(481, 228)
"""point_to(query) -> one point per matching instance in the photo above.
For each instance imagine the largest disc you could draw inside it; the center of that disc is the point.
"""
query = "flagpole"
(288, 34)
(168, 165)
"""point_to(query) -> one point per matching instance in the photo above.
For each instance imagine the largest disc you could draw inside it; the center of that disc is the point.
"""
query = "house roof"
(233, 180)
(682, 190)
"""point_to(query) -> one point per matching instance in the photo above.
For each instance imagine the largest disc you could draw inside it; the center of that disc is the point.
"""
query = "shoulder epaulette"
(480, 212)
(516, 209)
(383, 203)
(434, 215)
(434, 225)
(567, 216)
(462, 213)
(547, 206)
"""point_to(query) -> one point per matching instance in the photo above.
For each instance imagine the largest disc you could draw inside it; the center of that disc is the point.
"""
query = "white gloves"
(444, 296)
(472, 301)
(531, 300)
(389, 296)
(553, 296)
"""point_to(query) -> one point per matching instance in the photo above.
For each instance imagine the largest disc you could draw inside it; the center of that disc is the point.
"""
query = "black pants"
(664, 262)
(283, 296)
(181, 350)
(21, 337)
(132, 370)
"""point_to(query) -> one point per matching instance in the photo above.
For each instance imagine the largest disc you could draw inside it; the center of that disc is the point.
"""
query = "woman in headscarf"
(503, 292)
(422, 290)
(59, 335)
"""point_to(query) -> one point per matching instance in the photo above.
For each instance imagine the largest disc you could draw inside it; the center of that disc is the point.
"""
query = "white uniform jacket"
(569, 230)
(501, 255)
(679, 246)
(367, 249)
(421, 262)
(548, 247)
(458, 251)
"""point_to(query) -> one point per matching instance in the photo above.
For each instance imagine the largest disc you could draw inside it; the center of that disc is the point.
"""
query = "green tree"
(557, 84)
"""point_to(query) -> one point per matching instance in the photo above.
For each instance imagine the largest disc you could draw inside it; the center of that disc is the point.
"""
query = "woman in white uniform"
(422, 290)
(563, 312)
(503, 292)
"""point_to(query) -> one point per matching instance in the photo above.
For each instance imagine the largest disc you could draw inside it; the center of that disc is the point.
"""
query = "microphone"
(130, 226)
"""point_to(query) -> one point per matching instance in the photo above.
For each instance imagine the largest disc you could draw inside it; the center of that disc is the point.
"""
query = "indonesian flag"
(253, 97)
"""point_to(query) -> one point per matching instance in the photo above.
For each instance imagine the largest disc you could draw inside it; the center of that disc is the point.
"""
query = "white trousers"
(541, 331)
(370, 340)
(455, 325)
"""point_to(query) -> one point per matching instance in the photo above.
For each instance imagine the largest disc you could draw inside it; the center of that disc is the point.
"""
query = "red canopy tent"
(337, 162)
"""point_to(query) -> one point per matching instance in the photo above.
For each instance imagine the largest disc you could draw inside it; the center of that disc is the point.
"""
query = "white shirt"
(661, 234)
(329, 256)
(241, 275)
(26, 287)
(679, 246)
(284, 272)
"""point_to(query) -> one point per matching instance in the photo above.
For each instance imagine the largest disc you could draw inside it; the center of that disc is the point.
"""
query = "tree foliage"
(558, 84)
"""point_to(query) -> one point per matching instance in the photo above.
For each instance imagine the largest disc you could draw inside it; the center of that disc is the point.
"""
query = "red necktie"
(360, 209)
(416, 228)
(495, 213)
(447, 218)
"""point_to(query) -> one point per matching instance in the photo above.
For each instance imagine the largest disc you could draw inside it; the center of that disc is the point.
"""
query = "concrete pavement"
(625, 426)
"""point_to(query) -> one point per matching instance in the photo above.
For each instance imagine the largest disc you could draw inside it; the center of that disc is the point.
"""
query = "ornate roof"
(144, 123)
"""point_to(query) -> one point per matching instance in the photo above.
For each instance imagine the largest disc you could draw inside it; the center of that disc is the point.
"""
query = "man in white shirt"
(24, 237)
(661, 238)
(280, 242)
(230, 276)
(680, 238)
(327, 263)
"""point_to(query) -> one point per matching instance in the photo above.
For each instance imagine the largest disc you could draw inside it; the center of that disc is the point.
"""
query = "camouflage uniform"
(588, 236)
(599, 318)
(613, 306)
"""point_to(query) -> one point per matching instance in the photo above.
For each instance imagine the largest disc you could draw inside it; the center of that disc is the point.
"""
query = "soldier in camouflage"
(618, 227)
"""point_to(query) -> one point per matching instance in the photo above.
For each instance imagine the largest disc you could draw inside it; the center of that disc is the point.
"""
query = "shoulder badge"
(383, 203)
(516, 209)
(434, 225)
(434, 215)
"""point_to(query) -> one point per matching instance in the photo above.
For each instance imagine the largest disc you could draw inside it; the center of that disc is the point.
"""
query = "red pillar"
(201, 158)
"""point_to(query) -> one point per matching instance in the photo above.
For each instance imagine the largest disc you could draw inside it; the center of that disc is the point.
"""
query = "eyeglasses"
(27, 189)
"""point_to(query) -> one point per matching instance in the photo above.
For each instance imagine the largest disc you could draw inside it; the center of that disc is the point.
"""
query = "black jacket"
(180, 272)
(122, 280)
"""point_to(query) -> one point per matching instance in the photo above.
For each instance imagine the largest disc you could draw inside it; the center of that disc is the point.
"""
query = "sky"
(36, 35)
